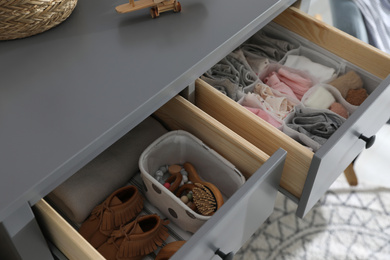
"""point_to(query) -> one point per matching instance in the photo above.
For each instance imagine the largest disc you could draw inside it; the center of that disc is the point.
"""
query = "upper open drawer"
(307, 175)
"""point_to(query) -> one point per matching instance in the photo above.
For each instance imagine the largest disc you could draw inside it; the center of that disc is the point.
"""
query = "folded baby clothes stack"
(223, 85)
(350, 80)
(320, 72)
(339, 109)
(320, 98)
(296, 82)
(273, 48)
(255, 57)
(356, 96)
(246, 75)
(281, 106)
(274, 82)
(313, 127)
(231, 75)
(288, 82)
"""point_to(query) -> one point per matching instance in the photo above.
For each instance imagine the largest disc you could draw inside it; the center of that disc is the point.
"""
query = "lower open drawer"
(230, 227)
(307, 175)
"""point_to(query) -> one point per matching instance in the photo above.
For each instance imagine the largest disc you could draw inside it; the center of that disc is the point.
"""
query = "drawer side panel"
(62, 234)
(236, 221)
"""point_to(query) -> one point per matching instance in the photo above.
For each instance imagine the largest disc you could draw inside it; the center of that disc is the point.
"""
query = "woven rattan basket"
(22, 18)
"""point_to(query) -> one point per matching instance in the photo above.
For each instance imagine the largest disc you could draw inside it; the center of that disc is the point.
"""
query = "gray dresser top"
(69, 93)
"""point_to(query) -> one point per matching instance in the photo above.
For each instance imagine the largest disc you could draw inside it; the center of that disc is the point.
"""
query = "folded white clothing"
(320, 72)
(320, 98)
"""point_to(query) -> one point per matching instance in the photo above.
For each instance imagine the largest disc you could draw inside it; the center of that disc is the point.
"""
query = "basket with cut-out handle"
(178, 148)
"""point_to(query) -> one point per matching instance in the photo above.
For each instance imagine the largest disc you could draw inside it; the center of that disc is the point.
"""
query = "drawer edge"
(336, 41)
(179, 113)
(62, 234)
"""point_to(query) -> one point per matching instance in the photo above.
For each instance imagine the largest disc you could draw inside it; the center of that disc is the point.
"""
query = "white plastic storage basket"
(178, 147)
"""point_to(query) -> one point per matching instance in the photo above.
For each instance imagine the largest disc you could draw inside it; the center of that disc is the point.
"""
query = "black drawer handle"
(369, 140)
(224, 256)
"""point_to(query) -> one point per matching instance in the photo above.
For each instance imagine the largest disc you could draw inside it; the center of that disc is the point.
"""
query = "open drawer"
(233, 223)
(307, 175)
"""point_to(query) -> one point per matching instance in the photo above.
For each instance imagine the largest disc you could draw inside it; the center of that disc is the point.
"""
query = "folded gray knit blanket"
(319, 126)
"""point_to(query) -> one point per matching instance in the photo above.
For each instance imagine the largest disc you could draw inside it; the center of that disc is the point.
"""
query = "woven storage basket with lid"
(23, 18)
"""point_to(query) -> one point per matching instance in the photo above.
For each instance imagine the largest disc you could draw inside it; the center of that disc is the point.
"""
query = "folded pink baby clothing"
(339, 109)
(298, 84)
(264, 115)
(263, 90)
(274, 82)
(280, 106)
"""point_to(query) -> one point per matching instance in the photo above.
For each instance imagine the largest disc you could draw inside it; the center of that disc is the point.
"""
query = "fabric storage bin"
(273, 43)
(178, 147)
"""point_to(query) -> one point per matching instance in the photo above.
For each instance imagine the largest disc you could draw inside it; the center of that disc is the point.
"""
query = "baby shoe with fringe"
(136, 239)
(122, 206)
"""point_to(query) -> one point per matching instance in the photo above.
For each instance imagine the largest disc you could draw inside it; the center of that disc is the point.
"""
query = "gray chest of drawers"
(69, 93)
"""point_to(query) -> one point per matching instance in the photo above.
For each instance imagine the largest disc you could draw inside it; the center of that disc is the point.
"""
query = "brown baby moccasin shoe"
(136, 239)
(122, 206)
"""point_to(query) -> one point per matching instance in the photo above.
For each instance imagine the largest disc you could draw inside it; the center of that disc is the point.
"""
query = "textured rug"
(347, 223)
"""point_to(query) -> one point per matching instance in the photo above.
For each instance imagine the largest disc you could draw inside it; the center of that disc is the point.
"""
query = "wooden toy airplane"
(157, 6)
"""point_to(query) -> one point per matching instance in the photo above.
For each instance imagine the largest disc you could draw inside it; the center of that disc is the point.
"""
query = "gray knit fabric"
(77, 196)
(272, 47)
(317, 125)
(231, 75)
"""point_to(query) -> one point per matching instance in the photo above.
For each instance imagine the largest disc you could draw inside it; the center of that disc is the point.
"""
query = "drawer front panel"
(240, 217)
(343, 147)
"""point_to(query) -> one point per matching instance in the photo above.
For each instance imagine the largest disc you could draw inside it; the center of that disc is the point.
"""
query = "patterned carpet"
(347, 223)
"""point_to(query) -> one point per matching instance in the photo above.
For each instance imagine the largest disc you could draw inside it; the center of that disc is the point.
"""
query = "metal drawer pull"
(224, 256)
(369, 140)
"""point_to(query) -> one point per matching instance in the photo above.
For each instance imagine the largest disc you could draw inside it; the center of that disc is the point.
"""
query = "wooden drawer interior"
(178, 113)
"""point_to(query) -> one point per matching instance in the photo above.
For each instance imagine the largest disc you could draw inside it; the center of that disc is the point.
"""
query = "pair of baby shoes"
(112, 230)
